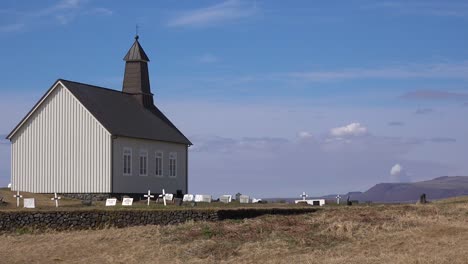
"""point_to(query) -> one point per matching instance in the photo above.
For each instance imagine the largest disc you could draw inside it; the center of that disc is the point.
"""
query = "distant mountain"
(438, 188)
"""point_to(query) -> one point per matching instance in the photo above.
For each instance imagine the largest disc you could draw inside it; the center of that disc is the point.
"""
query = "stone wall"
(11, 221)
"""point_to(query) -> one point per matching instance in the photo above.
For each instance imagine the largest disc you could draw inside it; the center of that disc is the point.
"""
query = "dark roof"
(136, 52)
(122, 115)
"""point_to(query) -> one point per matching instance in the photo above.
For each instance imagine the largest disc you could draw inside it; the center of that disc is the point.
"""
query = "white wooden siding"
(61, 148)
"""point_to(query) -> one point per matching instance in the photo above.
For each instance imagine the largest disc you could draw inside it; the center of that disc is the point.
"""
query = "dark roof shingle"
(122, 115)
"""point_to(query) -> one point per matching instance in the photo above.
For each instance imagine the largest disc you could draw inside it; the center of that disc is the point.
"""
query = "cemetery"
(43, 211)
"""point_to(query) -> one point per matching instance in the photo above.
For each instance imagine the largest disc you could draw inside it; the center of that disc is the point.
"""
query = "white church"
(84, 139)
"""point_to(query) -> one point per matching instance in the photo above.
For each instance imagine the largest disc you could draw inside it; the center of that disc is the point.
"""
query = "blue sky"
(278, 97)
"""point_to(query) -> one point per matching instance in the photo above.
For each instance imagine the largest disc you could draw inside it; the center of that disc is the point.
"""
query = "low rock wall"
(11, 221)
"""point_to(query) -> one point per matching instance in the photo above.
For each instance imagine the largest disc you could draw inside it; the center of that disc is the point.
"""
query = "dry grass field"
(432, 233)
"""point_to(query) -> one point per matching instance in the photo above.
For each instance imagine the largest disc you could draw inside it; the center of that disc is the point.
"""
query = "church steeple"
(136, 77)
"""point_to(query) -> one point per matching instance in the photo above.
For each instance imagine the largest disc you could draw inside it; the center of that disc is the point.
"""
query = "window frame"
(173, 167)
(127, 152)
(161, 164)
(143, 154)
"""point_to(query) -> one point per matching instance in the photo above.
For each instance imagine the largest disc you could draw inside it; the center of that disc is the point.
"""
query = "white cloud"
(213, 15)
(396, 170)
(353, 129)
(398, 174)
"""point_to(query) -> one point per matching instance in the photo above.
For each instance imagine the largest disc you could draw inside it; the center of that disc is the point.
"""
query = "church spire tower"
(136, 77)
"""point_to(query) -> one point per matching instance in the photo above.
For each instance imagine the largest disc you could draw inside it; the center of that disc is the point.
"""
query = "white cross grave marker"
(18, 196)
(304, 196)
(338, 197)
(163, 195)
(56, 198)
(149, 196)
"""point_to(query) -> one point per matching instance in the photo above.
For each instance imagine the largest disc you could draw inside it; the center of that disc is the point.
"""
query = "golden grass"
(432, 233)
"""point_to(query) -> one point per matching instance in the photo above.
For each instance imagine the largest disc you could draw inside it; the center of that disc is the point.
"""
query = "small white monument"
(56, 199)
(225, 198)
(203, 198)
(338, 197)
(149, 196)
(9, 186)
(316, 202)
(256, 200)
(29, 203)
(127, 201)
(304, 196)
(18, 196)
(163, 196)
(111, 201)
(244, 199)
(169, 197)
(188, 198)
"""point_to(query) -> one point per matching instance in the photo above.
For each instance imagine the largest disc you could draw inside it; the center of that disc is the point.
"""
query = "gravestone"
(127, 201)
(29, 203)
(245, 199)
(169, 197)
(56, 198)
(338, 197)
(202, 198)
(148, 196)
(111, 202)
(256, 200)
(18, 196)
(225, 198)
(188, 198)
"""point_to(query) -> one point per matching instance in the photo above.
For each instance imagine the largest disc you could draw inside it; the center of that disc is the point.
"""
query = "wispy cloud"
(430, 71)
(423, 8)
(230, 10)
(434, 95)
(62, 12)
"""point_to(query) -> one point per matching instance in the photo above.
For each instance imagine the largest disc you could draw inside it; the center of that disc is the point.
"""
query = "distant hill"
(438, 188)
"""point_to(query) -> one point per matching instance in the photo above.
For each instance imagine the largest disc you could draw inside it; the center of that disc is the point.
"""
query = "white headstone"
(163, 196)
(188, 198)
(304, 196)
(225, 198)
(56, 198)
(319, 202)
(111, 201)
(127, 201)
(9, 186)
(338, 197)
(149, 196)
(244, 199)
(18, 196)
(29, 203)
(169, 196)
(203, 198)
(256, 200)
